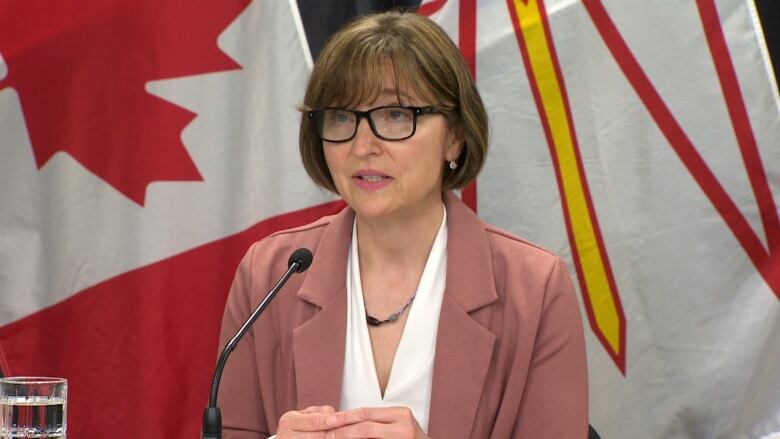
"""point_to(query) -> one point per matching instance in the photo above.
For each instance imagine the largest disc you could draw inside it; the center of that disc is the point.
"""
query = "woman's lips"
(371, 180)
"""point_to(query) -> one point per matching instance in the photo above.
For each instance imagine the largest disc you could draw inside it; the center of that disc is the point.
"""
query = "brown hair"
(351, 69)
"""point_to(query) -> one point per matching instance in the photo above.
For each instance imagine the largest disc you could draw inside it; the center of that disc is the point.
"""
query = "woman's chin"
(373, 211)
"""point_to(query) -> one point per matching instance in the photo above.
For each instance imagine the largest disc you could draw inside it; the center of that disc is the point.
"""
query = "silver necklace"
(393, 317)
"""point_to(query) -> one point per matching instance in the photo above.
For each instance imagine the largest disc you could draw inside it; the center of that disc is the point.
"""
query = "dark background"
(769, 13)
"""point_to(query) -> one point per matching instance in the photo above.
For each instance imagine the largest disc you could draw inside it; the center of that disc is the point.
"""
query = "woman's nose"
(365, 141)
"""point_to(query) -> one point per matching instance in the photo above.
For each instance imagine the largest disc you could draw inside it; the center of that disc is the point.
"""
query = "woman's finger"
(319, 409)
(300, 421)
(363, 430)
(371, 414)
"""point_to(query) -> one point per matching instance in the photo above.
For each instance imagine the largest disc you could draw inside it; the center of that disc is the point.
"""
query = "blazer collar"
(327, 274)
(470, 280)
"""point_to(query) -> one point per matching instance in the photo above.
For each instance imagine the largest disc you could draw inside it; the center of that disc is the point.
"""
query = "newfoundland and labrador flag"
(144, 145)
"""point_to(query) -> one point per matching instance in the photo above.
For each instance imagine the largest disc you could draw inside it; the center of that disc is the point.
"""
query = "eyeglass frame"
(416, 112)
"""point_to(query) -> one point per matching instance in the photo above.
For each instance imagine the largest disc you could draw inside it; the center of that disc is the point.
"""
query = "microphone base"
(212, 423)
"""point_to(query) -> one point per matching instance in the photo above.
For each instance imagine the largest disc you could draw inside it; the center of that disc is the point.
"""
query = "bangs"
(361, 75)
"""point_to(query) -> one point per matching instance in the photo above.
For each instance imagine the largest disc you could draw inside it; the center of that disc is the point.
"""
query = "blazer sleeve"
(239, 394)
(555, 399)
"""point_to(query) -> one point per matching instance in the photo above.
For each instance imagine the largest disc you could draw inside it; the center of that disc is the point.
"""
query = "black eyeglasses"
(392, 122)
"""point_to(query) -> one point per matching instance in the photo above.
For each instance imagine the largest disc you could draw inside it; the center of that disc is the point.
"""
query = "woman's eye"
(398, 115)
(340, 117)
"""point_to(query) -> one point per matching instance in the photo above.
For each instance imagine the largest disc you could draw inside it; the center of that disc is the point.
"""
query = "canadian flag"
(145, 145)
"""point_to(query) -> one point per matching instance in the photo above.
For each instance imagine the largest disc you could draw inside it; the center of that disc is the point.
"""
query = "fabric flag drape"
(145, 145)
(640, 140)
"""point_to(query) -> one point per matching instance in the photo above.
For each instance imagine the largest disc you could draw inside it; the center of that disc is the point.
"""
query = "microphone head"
(303, 257)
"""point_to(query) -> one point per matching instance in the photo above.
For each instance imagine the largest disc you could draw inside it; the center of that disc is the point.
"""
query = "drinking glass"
(33, 407)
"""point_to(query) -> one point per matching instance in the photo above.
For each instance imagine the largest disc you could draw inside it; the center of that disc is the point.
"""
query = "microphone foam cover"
(303, 257)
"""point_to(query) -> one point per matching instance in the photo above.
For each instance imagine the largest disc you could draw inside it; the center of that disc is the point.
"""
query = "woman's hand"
(307, 423)
(375, 423)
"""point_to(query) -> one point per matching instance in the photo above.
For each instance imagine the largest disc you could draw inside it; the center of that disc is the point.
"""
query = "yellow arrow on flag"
(597, 284)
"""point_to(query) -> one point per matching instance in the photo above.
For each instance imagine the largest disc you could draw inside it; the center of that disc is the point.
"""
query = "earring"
(453, 165)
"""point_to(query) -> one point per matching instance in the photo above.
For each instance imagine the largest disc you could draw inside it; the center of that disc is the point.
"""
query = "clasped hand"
(367, 422)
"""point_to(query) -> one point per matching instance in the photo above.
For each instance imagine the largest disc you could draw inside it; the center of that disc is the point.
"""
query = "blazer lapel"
(463, 354)
(464, 348)
(318, 349)
(319, 343)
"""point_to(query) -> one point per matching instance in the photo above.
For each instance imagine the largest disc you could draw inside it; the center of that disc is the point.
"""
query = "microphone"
(298, 262)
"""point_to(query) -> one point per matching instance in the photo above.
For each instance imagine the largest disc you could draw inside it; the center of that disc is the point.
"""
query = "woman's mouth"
(371, 180)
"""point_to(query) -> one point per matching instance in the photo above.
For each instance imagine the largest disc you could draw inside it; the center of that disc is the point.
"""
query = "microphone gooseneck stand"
(299, 261)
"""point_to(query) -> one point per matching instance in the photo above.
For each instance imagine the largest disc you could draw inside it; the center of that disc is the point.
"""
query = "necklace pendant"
(372, 321)
(393, 317)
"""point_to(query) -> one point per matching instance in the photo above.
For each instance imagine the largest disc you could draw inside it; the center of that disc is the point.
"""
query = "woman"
(416, 319)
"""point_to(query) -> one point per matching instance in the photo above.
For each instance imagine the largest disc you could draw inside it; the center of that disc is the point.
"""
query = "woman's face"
(386, 180)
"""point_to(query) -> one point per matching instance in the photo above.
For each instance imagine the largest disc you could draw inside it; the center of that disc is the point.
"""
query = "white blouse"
(411, 375)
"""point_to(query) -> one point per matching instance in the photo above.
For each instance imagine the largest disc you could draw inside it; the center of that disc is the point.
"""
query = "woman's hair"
(351, 70)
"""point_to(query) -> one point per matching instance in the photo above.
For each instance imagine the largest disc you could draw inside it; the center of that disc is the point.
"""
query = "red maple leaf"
(80, 68)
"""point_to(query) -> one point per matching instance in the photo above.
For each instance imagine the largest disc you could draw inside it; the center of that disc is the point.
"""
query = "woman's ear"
(454, 145)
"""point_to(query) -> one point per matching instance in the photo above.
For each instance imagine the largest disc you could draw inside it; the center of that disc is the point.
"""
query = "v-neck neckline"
(410, 355)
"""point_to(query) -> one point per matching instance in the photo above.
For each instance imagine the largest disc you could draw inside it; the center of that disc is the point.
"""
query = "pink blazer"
(510, 355)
